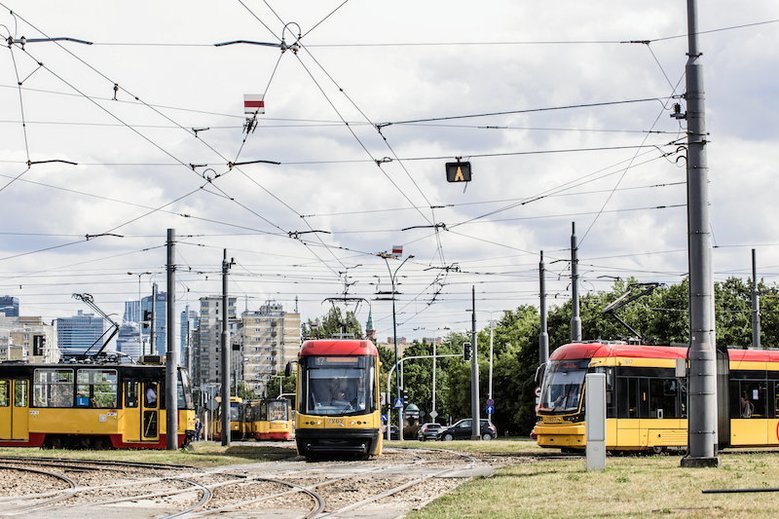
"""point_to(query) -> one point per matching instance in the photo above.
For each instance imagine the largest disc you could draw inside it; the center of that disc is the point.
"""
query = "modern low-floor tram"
(647, 401)
(338, 408)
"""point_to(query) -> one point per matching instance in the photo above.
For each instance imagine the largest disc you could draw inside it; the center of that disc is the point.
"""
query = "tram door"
(150, 411)
(14, 409)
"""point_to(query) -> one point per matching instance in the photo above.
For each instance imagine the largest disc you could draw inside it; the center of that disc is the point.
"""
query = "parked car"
(393, 432)
(462, 431)
(429, 431)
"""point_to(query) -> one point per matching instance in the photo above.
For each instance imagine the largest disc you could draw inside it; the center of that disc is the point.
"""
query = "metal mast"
(755, 305)
(172, 355)
(225, 346)
(576, 320)
(476, 424)
(702, 422)
(543, 336)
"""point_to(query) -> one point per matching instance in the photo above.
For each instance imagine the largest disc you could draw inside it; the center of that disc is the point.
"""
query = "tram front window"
(277, 410)
(562, 388)
(338, 385)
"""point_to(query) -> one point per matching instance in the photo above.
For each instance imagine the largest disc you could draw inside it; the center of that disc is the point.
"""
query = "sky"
(563, 110)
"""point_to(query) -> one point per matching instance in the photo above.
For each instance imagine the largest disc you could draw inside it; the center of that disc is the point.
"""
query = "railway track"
(298, 488)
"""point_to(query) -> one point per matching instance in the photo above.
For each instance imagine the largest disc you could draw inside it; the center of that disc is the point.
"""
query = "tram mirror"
(681, 368)
(288, 369)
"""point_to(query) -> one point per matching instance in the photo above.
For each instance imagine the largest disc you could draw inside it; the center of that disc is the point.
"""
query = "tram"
(90, 406)
(271, 419)
(647, 401)
(237, 420)
(338, 409)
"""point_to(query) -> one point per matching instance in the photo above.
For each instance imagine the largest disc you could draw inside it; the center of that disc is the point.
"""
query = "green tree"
(333, 325)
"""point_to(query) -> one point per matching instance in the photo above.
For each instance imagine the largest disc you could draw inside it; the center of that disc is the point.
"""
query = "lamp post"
(140, 309)
(395, 336)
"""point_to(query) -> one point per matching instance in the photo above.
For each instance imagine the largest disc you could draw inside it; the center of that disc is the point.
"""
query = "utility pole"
(489, 405)
(434, 413)
(476, 421)
(576, 320)
(172, 355)
(543, 336)
(188, 342)
(225, 346)
(755, 305)
(152, 331)
(702, 422)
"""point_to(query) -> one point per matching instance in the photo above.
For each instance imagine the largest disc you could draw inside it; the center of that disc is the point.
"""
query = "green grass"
(199, 454)
(631, 486)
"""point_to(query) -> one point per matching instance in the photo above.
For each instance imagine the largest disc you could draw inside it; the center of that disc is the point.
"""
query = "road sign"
(398, 403)
(434, 415)
(490, 409)
(490, 402)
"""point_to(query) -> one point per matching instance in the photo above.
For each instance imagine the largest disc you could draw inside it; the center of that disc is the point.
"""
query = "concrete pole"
(702, 422)
(172, 355)
(225, 346)
(755, 305)
(576, 320)
(475, 415)
(543, 336)
(152, 331)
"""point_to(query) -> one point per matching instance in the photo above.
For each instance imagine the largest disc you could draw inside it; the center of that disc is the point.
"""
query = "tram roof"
(590, 350)
(338, 347)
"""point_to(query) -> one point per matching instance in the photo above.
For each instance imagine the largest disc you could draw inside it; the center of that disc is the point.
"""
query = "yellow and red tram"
(90, 405)
(338, 408)
(237, 420)
(271, 419)
(647, 402)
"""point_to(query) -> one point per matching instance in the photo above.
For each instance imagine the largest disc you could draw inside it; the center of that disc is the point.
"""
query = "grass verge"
(199, 454)
(631, 486)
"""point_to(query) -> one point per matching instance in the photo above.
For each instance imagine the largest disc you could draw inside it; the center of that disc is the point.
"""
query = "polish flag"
(253, 104)
(397, 250)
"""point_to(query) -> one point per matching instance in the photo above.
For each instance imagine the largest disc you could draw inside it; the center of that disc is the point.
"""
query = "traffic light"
(404, 395)
(466, 351)
(146, 318)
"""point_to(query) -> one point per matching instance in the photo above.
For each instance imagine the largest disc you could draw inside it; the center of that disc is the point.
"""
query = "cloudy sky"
(562, 108)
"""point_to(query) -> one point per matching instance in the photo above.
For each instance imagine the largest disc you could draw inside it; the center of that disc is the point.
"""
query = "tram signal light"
(466, 351)
(458, 171)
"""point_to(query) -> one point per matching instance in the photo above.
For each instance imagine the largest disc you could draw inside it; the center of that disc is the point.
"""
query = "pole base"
(699, 463)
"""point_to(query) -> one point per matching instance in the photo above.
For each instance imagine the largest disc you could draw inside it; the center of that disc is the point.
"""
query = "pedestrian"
(198, 428)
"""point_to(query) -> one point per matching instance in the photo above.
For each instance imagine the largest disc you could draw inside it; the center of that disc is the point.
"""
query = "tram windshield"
(561, 390)
(277, 410)
(337, 385)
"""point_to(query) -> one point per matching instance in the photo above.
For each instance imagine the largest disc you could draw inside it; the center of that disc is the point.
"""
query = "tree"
(333, 324)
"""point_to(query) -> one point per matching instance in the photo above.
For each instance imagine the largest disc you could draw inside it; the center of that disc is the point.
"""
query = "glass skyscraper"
(9, 306)
(77, 334)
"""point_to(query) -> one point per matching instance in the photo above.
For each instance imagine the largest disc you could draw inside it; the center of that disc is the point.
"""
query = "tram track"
(10, 510)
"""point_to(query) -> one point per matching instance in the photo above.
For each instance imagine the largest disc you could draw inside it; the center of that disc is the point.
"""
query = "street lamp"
(395, 339)
(140, 309)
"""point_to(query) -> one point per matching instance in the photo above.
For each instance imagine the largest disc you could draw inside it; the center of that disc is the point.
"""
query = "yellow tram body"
(271, 419)
(89, 405)
(647, 402)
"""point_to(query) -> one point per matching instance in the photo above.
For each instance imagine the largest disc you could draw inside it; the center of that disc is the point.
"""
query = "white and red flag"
(397, 250)
(253, 104)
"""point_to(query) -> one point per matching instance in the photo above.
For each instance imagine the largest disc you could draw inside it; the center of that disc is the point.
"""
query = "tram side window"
(97, 388)
(751, 401)
(52, 388)
(3, 393)
(131, 394)
(663, 397)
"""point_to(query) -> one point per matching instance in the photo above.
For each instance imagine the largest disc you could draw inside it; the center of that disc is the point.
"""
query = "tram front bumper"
(356, 441)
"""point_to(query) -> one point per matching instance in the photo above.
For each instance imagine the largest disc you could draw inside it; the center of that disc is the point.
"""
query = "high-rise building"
(77, 334)
(270, 337)
(127, 340)
(206, 358)
(28, 339)
(188, 325)
(160, 346)
(9, 306)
